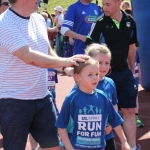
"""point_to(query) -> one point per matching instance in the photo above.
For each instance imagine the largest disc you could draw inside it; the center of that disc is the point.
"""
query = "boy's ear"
(77, 77)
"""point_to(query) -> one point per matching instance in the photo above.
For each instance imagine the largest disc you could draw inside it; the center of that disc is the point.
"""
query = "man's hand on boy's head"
(72, 61)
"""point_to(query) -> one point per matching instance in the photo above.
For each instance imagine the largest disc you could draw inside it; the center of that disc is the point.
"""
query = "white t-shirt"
(49, 23)
(59, 19)
(18, 79)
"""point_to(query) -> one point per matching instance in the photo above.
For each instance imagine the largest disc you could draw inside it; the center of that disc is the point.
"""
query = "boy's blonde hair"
(95, 49)
(90, 61)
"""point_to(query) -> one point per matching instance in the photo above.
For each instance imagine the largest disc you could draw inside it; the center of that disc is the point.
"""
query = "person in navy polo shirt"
(118, 31)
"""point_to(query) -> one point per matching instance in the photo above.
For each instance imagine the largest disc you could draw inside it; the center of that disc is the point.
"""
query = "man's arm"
(94, 33)
(54, 29)
(67, 70)
(131, 57)
(51, 52)
(42, 60)
(67, 32)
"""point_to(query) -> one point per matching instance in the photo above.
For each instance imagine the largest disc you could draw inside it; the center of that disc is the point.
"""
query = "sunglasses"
(5, 3)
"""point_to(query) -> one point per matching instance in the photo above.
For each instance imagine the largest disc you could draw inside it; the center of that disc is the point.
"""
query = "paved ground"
(143, 134)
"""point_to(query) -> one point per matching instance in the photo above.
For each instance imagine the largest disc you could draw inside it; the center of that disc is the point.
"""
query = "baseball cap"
(58, 8)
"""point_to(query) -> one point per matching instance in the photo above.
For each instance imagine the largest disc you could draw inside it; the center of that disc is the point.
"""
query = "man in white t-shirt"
(25, 103)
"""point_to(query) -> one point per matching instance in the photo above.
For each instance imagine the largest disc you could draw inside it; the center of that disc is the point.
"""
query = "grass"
(64, 3)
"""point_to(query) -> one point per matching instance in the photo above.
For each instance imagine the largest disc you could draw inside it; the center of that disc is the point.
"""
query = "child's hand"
(125, 146)
(69, 71)
(108, 129)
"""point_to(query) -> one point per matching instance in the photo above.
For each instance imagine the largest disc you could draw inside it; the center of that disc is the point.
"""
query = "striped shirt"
(17, 79)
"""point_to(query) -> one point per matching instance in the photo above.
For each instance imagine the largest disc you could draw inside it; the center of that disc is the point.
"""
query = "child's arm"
(116, 107)
(64, 136)
(108, 127)
(121, 135)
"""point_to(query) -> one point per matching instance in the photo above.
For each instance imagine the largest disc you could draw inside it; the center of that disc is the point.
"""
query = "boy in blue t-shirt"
(103, 55)
(86, 111)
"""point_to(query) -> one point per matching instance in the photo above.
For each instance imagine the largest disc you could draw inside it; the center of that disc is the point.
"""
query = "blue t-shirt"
(107, 85)
(85, 116)
(79, 18)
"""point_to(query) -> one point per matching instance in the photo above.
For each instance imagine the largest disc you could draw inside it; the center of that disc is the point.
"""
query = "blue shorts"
(20, 117)
(126, 88)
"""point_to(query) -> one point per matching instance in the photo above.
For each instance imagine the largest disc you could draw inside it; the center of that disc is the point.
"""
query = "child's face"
(104, 64)
(88, 78)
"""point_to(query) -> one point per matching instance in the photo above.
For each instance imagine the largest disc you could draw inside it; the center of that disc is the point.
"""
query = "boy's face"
(88, 78)
(104, 64)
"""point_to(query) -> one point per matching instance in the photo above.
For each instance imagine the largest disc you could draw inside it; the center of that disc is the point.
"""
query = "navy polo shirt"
(117, 36)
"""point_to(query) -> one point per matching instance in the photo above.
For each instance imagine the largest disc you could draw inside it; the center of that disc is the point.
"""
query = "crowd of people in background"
(82, 28)
(62, 44)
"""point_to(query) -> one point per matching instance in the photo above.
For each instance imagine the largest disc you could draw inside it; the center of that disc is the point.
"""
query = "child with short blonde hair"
(86, 111)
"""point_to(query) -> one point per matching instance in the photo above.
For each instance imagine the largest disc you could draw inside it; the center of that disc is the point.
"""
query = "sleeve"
(60, 19)
(94, 34)
(99, 11)
(63, 118)
(69, 18)
(49, 23)
(114, 119)
(12, 38)
(133, 39)
(114, 95)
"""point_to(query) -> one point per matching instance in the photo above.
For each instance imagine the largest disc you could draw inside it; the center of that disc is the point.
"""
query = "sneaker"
(139, 147)
(138, 122)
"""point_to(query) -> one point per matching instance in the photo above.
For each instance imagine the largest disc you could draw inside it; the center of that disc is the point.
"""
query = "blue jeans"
(20, 117)
(59, 45)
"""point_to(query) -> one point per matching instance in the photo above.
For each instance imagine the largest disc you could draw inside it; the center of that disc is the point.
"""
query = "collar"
(125, 17)
(19, 14)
